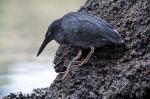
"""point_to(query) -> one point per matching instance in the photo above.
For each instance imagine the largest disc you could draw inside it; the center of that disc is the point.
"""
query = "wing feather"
(87, 28)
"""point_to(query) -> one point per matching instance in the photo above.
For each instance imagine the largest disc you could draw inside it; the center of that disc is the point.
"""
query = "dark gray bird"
(82, 30)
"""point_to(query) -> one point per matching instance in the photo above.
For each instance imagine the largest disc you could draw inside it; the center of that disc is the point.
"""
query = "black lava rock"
(113, 72)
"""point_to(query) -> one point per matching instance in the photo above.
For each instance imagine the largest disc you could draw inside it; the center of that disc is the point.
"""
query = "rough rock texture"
(120, 72)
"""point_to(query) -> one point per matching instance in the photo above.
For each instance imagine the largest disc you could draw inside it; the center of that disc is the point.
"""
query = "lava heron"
(81, 30)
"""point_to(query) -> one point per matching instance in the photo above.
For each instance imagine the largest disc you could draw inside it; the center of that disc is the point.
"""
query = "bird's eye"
(49, 33)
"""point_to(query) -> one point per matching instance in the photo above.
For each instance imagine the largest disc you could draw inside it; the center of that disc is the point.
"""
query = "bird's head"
(49, 35)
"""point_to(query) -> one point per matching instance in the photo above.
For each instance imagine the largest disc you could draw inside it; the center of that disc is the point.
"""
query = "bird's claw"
(78, 63)
(75, 64)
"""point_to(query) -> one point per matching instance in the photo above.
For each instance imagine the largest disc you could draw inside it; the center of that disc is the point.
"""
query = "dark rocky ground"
(120, 72)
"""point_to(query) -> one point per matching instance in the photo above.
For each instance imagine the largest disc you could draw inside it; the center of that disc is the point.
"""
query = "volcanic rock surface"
(119, 72)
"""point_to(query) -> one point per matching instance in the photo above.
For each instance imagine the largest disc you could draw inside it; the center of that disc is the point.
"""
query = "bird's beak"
(45, 42)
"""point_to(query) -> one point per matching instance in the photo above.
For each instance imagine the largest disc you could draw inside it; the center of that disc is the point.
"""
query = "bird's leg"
(74, 60)
(78, 55)
(87, 57)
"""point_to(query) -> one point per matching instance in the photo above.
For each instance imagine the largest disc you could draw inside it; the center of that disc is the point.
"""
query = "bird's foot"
(76, 62)
(65, 73)
(69, 67)
(80, 63)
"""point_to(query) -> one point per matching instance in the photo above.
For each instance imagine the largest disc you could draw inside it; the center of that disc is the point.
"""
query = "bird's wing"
(90, 29)
(86, 16)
